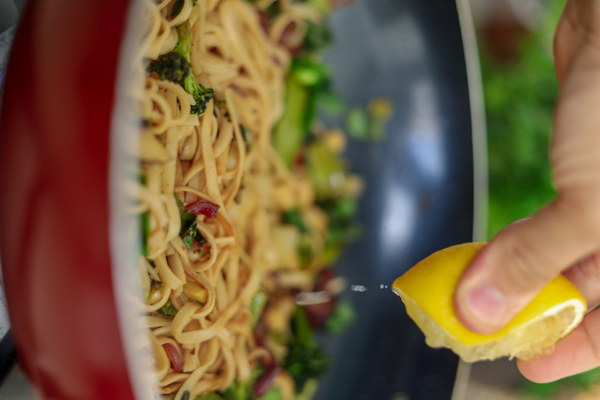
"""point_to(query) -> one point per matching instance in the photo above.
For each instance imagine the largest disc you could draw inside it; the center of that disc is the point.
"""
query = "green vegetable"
(145, 232)
(272, 394)
(331, 252)
(321, 6)
(171, 67)
(309, 72)
(189, 230)
(175, 67)
(318, 37)
(273, 10)
(341, 318)
(358, 123)
(177, 7)
(210, 396)
(168, 310)
(257, 305)
(238, 391)
(293, 216)
(326, 170)
(305, 251)
(307, 79)
(189, 226)
(304, 360)
(330, 104)
(307, 393)
(291, 130)
(341, 228)
(341, 210)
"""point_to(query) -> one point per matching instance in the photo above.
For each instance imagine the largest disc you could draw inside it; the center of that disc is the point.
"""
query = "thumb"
(507, 273)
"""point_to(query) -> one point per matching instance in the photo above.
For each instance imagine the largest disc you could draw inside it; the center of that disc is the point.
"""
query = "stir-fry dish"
(244, 199)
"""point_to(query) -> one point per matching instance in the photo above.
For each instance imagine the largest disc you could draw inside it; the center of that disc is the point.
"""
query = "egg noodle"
(220, 166)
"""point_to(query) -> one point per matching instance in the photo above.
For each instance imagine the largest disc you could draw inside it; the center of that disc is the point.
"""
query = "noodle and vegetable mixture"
(245, 200)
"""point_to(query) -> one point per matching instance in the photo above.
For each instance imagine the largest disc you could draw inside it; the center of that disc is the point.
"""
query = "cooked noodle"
(224, 156)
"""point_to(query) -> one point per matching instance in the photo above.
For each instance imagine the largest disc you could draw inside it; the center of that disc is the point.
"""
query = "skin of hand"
(563, 236)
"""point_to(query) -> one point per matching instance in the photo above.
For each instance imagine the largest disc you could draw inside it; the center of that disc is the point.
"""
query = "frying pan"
(425, 189)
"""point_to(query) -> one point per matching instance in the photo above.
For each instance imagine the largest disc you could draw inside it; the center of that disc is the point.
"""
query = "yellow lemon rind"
(527, 341)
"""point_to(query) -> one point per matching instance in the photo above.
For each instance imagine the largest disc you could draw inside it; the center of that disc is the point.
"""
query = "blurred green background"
(520, 89)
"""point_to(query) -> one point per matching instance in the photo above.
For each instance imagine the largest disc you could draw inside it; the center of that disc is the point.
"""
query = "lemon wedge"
(427, 292)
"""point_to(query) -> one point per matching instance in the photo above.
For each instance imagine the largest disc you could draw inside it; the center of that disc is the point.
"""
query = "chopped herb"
(188, 223)
(188, 240)
(180, 205)
(189, 233)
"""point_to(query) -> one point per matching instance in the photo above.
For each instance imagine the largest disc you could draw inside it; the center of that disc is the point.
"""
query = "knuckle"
(584, 210)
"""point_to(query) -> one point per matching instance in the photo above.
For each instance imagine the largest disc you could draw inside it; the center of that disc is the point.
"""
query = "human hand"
(564, 236)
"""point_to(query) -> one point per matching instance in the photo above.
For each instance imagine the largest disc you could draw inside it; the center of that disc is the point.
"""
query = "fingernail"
(488, 305)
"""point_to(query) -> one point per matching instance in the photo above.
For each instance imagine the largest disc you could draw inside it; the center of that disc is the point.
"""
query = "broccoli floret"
(171, 67)
(318, 37)
(200, 94)
(168, 310)
(175, 67)
(305, 363)
(304, 360)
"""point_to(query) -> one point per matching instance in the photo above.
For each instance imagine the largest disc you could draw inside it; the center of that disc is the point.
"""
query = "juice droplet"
(358, 288)
(382, 286)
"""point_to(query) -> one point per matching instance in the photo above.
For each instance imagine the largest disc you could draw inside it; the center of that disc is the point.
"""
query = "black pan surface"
(419, 193)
